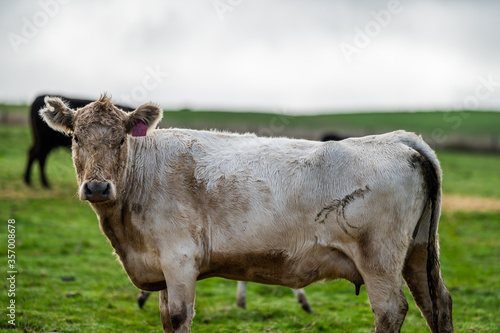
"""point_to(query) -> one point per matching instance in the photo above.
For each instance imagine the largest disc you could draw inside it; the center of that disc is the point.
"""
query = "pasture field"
(68, 281)
(472, 123)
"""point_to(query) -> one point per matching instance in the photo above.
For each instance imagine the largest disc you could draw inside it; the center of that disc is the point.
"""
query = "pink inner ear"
(140, 129)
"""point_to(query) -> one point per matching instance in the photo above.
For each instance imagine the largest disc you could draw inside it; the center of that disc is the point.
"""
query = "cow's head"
(100, 143)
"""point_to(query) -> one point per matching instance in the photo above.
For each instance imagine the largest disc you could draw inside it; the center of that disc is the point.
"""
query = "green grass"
(470, 173)
(58, 236)
(474, 123)
(439, 127)
(14, 108)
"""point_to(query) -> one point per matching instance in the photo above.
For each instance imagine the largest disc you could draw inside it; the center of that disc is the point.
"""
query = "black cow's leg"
(32, 155)
(41, 159)
(142, 298)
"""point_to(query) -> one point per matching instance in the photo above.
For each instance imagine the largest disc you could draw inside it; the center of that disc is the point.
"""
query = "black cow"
(45, 138)
(332, 137)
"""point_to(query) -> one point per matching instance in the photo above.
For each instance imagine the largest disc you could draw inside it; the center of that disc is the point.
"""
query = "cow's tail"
(426, 160)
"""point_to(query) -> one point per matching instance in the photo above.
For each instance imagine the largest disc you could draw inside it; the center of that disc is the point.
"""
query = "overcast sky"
(302, 56)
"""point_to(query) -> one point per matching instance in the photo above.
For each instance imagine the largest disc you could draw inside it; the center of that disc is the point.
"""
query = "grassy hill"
(474, 123)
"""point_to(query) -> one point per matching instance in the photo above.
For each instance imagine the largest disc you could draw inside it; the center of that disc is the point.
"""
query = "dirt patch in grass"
(455, 203)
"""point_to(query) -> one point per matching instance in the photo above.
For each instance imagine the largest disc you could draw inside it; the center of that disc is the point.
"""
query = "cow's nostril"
(87, 190)
(106, 191)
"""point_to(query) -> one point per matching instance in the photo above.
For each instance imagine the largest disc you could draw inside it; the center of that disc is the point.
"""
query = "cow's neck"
(129, 244)
(115, 220)
(111, 217)
(141, 171)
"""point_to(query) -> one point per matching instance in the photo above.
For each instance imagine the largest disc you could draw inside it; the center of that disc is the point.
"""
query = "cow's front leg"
(177, 301)
(164, 313)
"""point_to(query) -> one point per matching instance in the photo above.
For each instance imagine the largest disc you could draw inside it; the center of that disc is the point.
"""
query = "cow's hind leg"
(241, 296)
(381, 265)
(416, 277)
(388, 301)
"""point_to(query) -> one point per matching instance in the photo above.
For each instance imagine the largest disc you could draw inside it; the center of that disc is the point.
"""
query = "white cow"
(181, 205)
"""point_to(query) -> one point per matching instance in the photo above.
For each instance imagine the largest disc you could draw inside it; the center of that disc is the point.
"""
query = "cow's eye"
(122, 142)
(75, 138)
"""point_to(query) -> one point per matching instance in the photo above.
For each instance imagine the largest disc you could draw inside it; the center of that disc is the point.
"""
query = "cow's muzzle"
(97, 191)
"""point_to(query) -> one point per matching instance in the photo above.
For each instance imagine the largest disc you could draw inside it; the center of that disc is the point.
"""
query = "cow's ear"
(149, 114)
(58, 115)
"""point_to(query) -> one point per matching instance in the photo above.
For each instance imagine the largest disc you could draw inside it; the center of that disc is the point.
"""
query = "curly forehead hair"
(104, 102)
(102, 111)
